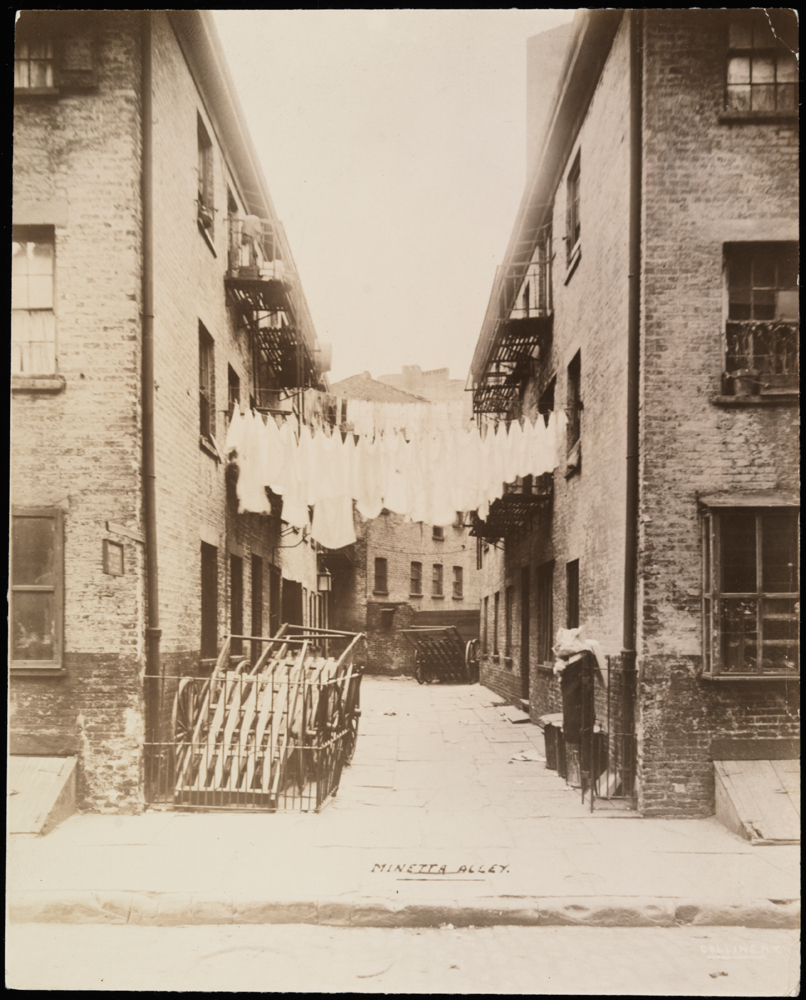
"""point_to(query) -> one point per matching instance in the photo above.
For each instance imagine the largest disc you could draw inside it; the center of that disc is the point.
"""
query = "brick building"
(400, 574)
(649, 289)
(153, 289)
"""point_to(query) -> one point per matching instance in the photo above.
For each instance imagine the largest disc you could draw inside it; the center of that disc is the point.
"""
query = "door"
(526, 611)
(292, 602)
(274, 600)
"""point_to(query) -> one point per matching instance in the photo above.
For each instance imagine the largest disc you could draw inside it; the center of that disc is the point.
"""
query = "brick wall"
(76, 167)
(706, 182)
(585, 520)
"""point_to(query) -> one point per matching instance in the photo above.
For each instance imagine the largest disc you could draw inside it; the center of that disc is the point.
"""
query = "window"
(206, 204)
(416, 585)
(438, 534)
(574, 411)
(485, 623)
(33, 64)
(572, 594)
(496, 606)
(33, 323)
(508, 622)
(257, 604)
(236, 602)
(573, 227)
(436, 581)
(751, 592)
(54, 52)
(458, 589)
(762, 69)
(233, 388)
(762, 328)
(37, 594)
(545, 611)
(380, 576)
(206, 384)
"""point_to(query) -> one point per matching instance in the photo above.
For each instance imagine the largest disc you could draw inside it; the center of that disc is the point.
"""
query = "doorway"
(525, 614)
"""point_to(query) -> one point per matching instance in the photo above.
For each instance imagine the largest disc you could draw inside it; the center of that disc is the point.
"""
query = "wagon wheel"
(472, 661)
(352, 714)
(183, 720)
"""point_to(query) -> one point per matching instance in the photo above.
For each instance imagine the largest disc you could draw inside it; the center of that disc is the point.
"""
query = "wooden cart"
(440, 654)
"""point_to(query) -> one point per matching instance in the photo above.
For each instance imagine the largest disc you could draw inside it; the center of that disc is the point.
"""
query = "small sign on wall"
(113, 558)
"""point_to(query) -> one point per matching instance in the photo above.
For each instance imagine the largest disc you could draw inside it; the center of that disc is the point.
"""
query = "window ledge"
(36, 92)
(495, 657)
(508, 662)
(381, 593)
(722, 678)
(729, 116)
(207, 238)
(415, 595)
(27, 670)
(455, 598)
(209, 445)
(767, 399)
(573, 262)
(38, 383)
(437, 597)
(544, 668)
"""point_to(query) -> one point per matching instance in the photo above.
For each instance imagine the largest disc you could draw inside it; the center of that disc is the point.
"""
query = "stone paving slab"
(462, 836)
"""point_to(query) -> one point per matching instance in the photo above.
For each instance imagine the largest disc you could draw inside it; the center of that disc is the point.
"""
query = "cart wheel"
(183, 716)
(472, 661)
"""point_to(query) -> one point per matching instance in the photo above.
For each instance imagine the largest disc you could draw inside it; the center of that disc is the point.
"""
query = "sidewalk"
(433, 824)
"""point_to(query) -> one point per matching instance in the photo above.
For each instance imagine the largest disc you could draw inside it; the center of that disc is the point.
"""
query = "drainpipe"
(628, 653)
(153, 631)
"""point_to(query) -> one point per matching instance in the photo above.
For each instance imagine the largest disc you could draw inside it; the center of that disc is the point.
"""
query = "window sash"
(436, 580)
(458, 582)
(37, 599)
(416, 578)
(748, 632)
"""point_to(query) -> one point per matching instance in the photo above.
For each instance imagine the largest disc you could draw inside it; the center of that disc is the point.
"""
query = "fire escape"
(264, 291)
(516, 336)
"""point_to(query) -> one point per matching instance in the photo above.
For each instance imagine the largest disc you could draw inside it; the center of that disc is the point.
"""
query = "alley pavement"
(448, 815)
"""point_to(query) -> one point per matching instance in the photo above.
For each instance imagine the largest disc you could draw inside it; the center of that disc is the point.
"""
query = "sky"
(394, 146)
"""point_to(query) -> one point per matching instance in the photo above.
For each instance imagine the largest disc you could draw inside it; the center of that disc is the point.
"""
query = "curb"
(183, 909)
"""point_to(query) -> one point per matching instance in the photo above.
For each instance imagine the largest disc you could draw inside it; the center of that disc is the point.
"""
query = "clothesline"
(426, 477)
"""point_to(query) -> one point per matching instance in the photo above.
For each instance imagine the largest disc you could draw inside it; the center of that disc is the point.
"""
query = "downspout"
(628, 653)
(153, 631)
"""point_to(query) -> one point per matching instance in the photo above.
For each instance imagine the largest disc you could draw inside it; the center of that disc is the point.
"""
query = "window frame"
(574, 411)
(205, 200)
(573, 220)
(714, 595)
(437, 533)
(458, 583)
(508, 612)
(747, 338)
(57, 30)
(207, 411)
(208, 601)
(485, 624)
(572, 609)
(544, 587)
(437, 580)
(54, 665)
(777, 51)
(33, 235)
(416, 579)
(381, 579)
(236, 602)
(496, 612)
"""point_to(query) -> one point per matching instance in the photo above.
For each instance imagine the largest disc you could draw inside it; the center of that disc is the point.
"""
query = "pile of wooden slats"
(248, 734)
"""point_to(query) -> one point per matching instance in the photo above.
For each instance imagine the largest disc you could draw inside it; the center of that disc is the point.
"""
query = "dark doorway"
(209, 601)
(257, 604)
(526, 611)
(292, 602)
(274, 600)
(236, 602)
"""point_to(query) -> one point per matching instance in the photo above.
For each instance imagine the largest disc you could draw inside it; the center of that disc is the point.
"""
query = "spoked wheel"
(472, 661)
(183, 718)
(352, 714)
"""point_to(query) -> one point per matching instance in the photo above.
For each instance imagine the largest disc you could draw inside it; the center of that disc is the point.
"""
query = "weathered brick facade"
(77, 432)
(710, 179)
(358, 605)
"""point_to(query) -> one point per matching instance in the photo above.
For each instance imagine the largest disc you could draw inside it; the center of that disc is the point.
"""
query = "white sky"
(394, 146)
